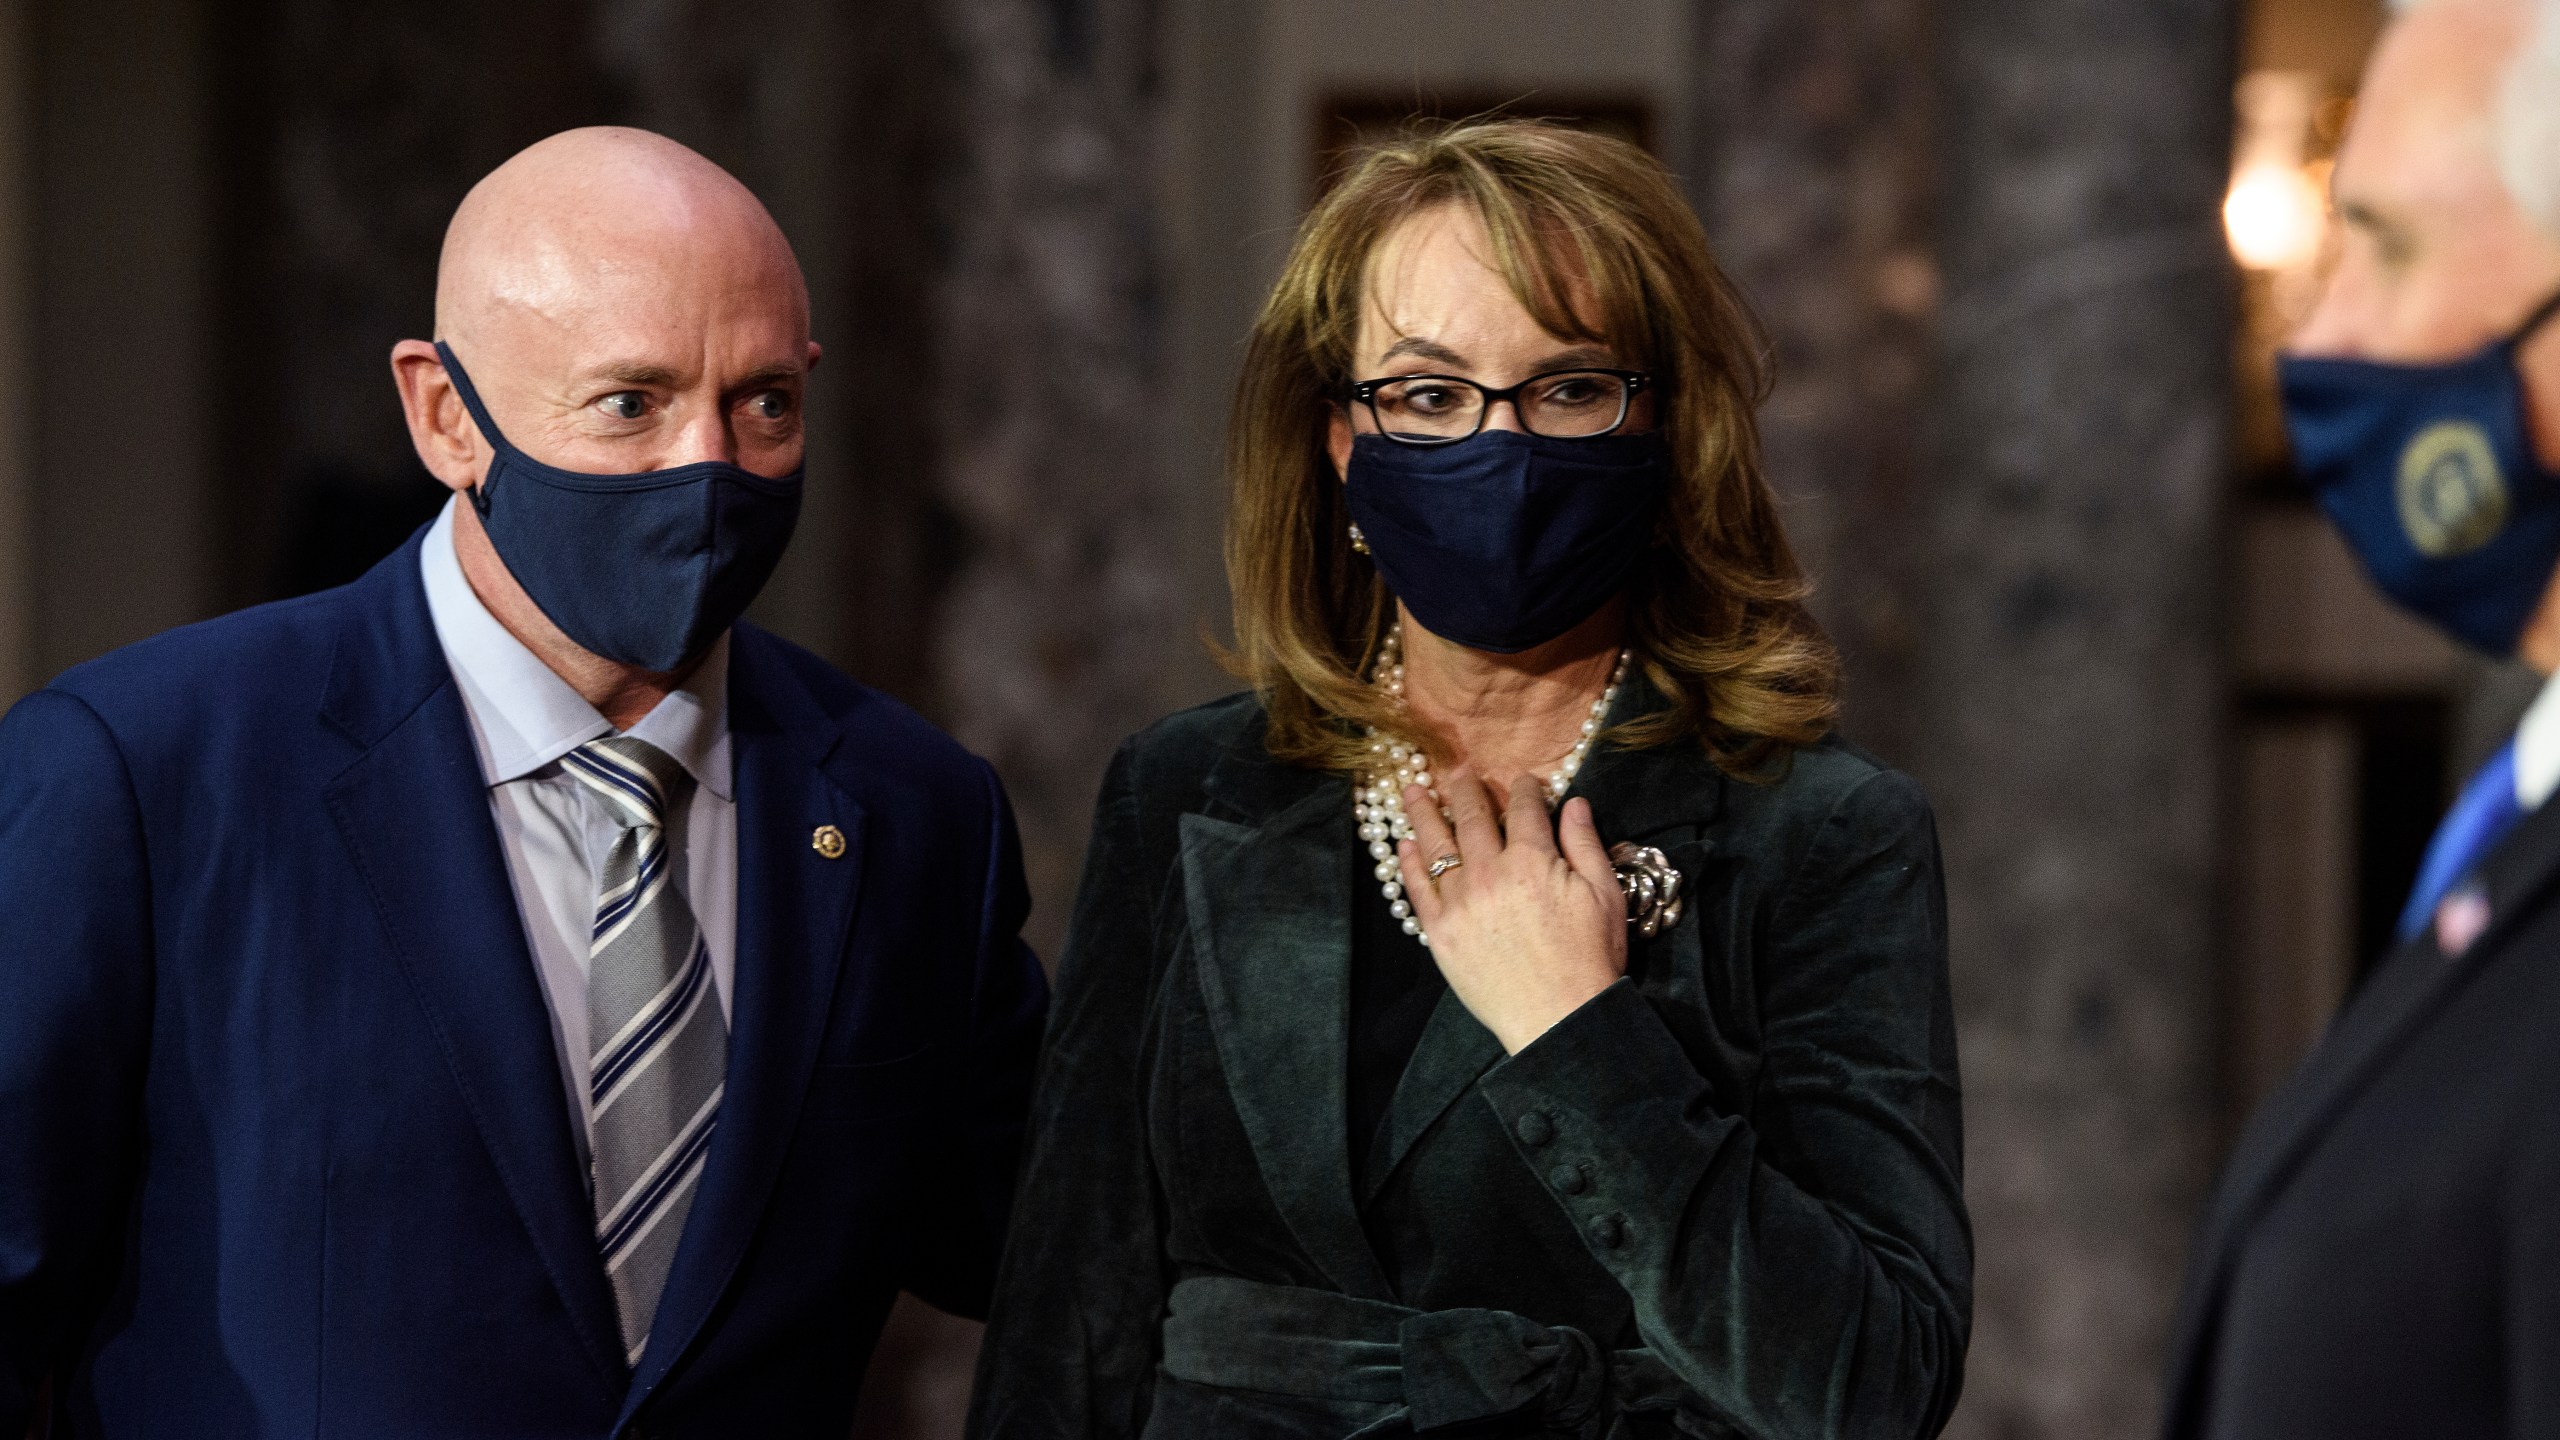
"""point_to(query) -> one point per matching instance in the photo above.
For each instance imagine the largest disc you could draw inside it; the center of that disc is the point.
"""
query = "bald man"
(509, 995)
(2382, 1258)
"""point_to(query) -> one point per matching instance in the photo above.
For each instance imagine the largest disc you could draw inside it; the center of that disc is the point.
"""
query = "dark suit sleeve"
(1071, 1349)
(967, 1199)
(1807, 1270)
(75, 1014)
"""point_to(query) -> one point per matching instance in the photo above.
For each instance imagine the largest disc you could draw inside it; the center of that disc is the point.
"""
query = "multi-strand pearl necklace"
(1378, 799)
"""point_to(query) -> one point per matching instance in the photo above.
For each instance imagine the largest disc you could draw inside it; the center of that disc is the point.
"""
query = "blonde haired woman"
(1518, 1014)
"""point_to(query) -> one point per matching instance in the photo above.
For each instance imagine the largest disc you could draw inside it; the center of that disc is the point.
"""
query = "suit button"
(1536, 1129)
(1568, 1178)
(1610, 1231)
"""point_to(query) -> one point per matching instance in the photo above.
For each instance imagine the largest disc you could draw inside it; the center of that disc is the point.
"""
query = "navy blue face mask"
(647, 569)
(1506, 540)
(2428, 472)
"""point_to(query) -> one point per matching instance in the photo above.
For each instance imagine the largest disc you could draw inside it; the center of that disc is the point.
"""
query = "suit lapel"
(795, 912)
(2413, 986)
(413, 811)
(1270, 909)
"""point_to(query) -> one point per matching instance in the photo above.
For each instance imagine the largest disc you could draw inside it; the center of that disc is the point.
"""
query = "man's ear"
(448, 444)
(1337, 440)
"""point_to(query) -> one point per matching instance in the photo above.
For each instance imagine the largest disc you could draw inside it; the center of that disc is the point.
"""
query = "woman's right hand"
(1530, 923)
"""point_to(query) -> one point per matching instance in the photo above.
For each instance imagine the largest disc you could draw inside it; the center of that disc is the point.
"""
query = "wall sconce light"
(2276, 213)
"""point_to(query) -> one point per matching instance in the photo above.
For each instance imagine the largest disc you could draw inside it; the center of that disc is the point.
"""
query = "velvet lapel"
(1454, 1052)
(1653, 797)
(795, 910)
(413, 810)
(1663, 795)
(1270, 912)
(2413, 986)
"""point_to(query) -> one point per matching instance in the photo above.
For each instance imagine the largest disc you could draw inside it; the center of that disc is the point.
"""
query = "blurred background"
(2023, 266)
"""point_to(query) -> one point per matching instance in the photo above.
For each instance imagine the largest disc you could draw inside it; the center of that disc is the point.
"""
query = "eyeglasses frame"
(1636, 381)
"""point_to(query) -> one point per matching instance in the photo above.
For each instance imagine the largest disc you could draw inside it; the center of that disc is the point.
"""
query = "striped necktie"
(657, 1044)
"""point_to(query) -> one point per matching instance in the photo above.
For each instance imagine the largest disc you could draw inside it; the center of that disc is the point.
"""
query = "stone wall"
(1815, 177)
(1983, 238)
(1067, 611)
(2069, 698)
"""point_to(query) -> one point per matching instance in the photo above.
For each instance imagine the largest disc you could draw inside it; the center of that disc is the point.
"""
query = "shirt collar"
(2538, 748)
(525, 717)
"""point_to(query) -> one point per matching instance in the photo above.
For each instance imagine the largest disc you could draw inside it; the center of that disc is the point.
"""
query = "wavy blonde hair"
(1592, 236)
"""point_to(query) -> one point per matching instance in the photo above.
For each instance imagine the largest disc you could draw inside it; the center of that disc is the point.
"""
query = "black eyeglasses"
(1560, 404)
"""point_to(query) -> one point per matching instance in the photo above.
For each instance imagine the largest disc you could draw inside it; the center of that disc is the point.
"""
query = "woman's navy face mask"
(2429, 472)
(1507, 540)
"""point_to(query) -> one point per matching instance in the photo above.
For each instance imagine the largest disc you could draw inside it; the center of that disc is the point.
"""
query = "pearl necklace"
(1378, 797)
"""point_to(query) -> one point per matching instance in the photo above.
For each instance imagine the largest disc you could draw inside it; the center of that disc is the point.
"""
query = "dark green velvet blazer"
(1737, 1169)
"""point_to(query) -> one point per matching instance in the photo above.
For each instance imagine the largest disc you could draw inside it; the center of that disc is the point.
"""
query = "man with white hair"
(2382, 1257)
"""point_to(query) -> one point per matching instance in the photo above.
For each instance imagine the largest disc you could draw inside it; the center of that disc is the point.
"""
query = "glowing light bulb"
(2277, 210)
(2275, 216)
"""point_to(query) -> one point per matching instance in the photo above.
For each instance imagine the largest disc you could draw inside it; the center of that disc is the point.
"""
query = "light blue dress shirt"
(555, 832)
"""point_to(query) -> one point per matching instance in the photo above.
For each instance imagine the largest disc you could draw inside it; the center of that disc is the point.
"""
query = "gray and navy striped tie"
(657, 1044)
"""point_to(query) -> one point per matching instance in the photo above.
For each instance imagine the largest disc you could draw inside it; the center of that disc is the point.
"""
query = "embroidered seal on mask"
(2452, 498)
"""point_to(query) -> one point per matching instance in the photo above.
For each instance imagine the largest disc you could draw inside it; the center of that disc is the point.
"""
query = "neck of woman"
(1506, 716)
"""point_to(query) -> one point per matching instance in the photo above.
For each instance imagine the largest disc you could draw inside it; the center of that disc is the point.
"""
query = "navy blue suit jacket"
(283, 1149)
(2382, 1257)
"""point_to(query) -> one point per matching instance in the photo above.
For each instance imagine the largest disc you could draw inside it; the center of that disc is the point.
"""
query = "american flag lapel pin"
(2460, 917)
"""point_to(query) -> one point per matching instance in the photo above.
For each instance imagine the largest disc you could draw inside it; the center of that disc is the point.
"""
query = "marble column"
(1067, 620)
(1814, 173)
(2067, 687)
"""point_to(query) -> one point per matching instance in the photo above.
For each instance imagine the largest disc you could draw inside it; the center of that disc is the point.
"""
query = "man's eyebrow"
(640, 375)
(635, 373)
(766, 378)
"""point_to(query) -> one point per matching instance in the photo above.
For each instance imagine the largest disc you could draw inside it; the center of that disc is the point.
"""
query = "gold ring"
(1445, 864)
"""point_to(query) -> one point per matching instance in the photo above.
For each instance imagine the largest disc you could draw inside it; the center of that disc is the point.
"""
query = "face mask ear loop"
(488, 428)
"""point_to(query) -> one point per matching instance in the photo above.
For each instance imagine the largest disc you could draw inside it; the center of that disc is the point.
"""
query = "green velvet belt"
(1443, 1367)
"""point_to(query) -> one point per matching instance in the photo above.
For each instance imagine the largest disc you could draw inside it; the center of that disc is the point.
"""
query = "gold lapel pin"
(828, 841)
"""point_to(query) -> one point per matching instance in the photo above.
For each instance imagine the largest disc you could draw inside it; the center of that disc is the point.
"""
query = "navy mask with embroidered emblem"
(2428, 472)
(647, 569)
(1506, 540)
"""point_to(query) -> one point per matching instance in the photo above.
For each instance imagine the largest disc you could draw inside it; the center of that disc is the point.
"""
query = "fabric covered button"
(1535, 1128)
(1610, 1231)
(1567, 1178)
